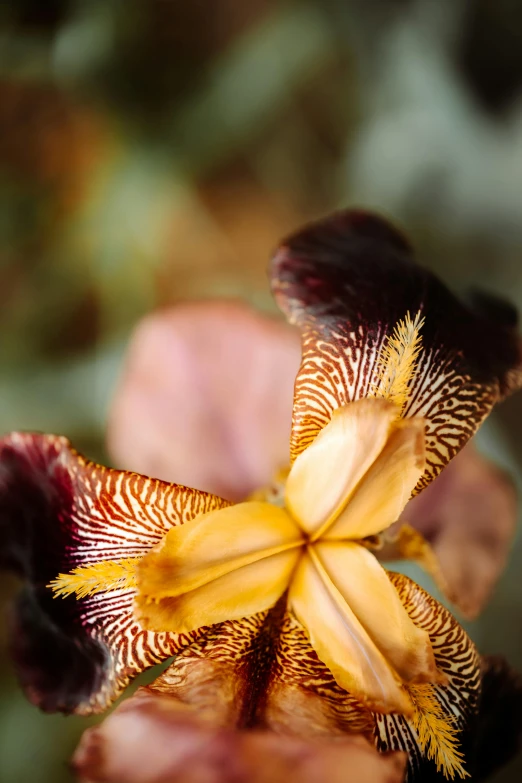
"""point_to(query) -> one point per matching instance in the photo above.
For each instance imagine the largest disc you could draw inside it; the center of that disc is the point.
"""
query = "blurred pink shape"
(155, 739)
(469, 516)
(206, 398)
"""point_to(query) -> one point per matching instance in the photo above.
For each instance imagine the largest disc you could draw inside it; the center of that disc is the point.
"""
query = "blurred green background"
(153, 151)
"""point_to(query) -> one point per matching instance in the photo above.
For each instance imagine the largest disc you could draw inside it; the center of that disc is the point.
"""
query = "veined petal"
(324, 476)
(381, 495)
(59, 511)
(341, 642)
(260, 672)
(458, 660)
(214, 545)
(346, 281)
(239, 593)
(367, 590)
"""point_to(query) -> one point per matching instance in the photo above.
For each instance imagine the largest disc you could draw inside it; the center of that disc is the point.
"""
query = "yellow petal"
(341, 642)
(240, 593)
(364, 585)
(326, 473)
(213, 545)
(387, 486)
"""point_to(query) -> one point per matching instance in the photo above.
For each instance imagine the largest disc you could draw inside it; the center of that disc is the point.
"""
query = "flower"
(200, 419)
(346, 282)
(350, 483)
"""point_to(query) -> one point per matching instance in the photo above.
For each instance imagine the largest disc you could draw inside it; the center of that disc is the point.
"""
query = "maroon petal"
(346, 281)
(498, 735)
(59, 511)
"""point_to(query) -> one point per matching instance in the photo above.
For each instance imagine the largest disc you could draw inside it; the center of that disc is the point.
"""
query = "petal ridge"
(341, 642)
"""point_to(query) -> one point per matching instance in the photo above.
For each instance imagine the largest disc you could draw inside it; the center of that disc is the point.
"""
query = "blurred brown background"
(153, 151)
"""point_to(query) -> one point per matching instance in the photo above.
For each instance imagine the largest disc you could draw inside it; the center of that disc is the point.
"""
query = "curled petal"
(261, 672)
(242, 592)
(387, 486)
(214, 545)
(341, 641)
(365, 587)
(59, 511)
(346, 281)
(324, 476)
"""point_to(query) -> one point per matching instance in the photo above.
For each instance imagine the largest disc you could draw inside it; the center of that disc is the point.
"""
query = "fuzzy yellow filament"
(398, 362)
(99, 577)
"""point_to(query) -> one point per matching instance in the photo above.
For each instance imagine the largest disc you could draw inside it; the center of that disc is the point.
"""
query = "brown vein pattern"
(92, 514)
(342, 368)
(257, 672)
(346, 281)
(304, 698)
(455, 655)
(261, 672)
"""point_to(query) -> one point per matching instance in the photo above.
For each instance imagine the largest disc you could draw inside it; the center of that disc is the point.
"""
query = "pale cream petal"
(323, 476)
(364, 585)
(387, 486)
(213, 545)
(243, 592)
(341, 642)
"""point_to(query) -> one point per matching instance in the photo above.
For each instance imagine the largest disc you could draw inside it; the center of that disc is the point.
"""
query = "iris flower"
(276, 609)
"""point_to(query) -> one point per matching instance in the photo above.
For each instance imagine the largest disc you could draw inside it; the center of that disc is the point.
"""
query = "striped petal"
(261, 672)
(365, 587)
(341, 641)
(346, 281)
(58, 511)
(381, 496)
(324, 476)
(457, 699)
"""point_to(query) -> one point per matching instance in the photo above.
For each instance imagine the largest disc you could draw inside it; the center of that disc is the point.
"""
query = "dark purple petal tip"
(347, 281)
(59, 511)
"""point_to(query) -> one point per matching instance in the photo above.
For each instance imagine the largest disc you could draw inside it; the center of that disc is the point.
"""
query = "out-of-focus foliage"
(153, 151)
